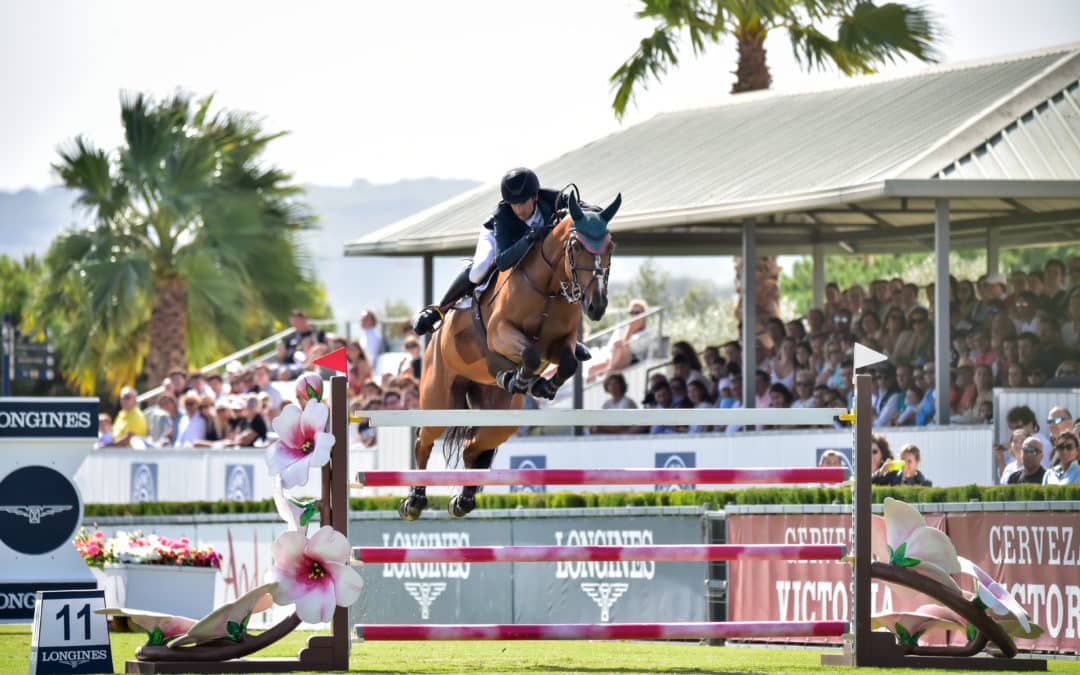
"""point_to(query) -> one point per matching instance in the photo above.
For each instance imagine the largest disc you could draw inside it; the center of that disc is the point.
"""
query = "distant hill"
(29, 220)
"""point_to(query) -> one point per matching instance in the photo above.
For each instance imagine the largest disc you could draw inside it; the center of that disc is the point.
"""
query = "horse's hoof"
(544, 388)
(461, 505)
(411, 507)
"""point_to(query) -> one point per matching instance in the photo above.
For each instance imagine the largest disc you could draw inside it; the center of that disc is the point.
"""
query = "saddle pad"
(466, 302)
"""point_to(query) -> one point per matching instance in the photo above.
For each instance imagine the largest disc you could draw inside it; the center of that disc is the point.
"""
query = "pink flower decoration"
(297, 513)
(303, 444)
(160, 628)
(309, 386)
(312, 573)
(904, 539)
(910, 626)
(998, 600)
(229, 622)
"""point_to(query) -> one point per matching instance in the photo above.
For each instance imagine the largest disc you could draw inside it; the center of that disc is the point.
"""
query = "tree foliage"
(855, 36)
(193, 249)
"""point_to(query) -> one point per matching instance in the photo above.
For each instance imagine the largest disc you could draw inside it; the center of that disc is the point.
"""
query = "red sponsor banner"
(804, 590)
(1035, 555)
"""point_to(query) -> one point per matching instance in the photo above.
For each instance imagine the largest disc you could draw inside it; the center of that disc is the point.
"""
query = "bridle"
(573, 292)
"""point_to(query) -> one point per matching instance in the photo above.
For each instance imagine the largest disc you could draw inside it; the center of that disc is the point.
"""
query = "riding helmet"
(519, 184)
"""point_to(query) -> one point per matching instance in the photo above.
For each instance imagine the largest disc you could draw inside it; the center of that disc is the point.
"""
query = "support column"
(749, 312)
(941, 311)
(429, 280)
(993, 248)
(818, 298)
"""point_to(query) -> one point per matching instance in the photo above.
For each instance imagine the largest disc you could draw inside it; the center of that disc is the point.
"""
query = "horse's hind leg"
(479, 452)
(461, 504)
(412, 506)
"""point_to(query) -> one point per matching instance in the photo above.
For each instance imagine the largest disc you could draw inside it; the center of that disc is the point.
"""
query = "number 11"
(83, 614)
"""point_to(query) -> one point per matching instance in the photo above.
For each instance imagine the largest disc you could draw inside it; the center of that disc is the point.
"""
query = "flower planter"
(170, 589)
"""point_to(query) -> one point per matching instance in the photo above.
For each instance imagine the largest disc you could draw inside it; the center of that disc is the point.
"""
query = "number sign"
(69, 637)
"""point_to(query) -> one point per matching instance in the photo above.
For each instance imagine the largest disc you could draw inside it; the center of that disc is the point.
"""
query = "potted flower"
(134, 569)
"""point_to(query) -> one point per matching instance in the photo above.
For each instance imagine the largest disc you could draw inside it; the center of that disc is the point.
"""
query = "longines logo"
(605, 595)
(26, 525)
(425, 594)
(49, 418)
(35, 512)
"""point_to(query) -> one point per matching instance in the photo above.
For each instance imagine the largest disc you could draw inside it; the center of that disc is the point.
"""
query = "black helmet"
(519, 185)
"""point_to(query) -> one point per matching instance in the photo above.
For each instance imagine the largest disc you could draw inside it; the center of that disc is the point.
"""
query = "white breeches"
(484, 257)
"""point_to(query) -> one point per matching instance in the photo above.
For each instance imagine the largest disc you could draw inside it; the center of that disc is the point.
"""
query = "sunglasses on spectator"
(1031, 449)
(1065, 447)
(1055, 420)
(843, 319)
(635, 311)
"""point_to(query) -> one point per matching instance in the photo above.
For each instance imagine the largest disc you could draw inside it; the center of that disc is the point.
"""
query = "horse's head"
(588, 257)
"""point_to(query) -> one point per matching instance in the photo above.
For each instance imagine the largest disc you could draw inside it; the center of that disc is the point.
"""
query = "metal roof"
(849, 167)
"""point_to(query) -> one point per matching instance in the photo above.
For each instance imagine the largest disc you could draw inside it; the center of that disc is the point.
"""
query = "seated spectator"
(392, 400)
(250, 427)
(782, 367)
(416, 356)
(1067, 376)
(697, 395)
(1067, 471)
(780, 396)
(130, 423)
(216, 385)
(179, 382)
(162, 421)
(804, 390)
(1015, 376)
(1058, 421)
(615, 386)
(915, 345)
(264, 386)
(626, 346)
(411, 399)
(886, 400)
(197, 383)
(762, 381)
(105, 433)
(726, 397)
(1031, 469)
(684, 366)
(912, 399)
(192, 425)
(679, 396)
(910, 474)
(881, 459)
(218, 425)
(661, 392)
(1070, 330)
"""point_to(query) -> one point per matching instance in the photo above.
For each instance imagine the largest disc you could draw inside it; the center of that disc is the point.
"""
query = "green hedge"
(563, 500)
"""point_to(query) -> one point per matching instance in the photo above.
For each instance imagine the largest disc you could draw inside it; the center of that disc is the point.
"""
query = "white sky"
(390, 90)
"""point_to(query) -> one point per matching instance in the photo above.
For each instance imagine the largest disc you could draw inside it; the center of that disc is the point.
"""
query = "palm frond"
(874, 35)
(653, 57)
(88, 170)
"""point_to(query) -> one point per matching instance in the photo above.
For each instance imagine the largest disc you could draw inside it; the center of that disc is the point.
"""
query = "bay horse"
(530, 313)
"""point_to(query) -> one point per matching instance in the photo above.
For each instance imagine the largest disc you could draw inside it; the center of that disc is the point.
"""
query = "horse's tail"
(454, 444)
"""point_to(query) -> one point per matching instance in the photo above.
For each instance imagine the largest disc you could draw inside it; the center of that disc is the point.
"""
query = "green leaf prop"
(157, 636)
(900, 559)
(971, 632)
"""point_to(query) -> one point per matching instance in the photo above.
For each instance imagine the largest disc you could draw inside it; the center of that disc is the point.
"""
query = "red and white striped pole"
(603, 631)
(601, 477)
(522, 554)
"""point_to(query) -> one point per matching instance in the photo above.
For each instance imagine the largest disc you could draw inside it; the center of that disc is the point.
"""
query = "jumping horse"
(525, 320)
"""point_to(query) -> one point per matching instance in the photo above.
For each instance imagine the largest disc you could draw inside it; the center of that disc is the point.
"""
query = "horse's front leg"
(463, 503)
(412, 506)
(506, 339)
(566, 357)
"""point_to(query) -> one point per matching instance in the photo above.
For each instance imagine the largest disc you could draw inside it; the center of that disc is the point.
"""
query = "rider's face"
(524, 210)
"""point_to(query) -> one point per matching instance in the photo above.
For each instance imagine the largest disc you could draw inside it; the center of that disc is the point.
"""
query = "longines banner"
(1034, 555)
(48, 417)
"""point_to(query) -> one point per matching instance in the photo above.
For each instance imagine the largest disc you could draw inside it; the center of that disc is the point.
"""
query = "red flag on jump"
(335, 360)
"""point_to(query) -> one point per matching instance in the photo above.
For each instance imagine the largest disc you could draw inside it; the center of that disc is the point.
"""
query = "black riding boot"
(430, 317)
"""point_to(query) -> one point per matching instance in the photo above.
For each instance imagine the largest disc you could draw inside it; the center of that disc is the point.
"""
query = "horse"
(525, 320)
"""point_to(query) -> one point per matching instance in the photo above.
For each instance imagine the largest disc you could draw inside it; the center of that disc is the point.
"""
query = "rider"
(524, 215)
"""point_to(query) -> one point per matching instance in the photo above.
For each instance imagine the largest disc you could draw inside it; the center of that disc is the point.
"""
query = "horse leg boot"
(431, 316)
(466, 501)
(412, 506)
(568, 365)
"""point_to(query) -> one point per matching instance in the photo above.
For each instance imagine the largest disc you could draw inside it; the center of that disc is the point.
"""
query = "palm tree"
(193, 243)
(867, 36)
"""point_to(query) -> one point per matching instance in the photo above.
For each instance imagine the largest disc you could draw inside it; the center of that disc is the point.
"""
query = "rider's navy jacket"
(510, 230)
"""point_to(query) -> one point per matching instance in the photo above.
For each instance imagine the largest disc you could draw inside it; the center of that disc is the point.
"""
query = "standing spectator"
(303, 329)
(1025, 315)
(162, 421)
(1031, 470)
(1067, 472)
(1009, 459)
(1023, 417)
(130, 422)
(1054, 278)
(371, 339)
(192, 424)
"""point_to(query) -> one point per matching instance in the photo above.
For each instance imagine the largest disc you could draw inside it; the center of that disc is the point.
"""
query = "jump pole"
(719, 630)
(600, 476)
(659, 553)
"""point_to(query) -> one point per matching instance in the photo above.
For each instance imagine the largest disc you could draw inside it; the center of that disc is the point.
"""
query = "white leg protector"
(484, 257)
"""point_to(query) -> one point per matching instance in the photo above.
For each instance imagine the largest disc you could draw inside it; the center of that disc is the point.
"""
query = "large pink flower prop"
(993, 596)
(910, 626)
(910, 542)
(312, 573)
(160, 628)
(302, 445)
(229, 622)
(297, 513)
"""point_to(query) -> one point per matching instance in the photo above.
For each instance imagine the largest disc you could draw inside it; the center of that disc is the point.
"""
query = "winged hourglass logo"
(425, 594)
(605, 595)
(35, 512)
